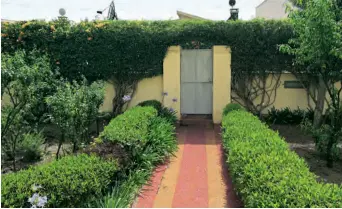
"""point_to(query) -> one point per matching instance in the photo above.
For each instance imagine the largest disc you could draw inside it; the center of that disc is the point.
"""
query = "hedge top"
(136, 49)
(266, 172)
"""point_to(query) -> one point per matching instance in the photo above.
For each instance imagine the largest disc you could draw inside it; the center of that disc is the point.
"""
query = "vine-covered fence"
(125, 52)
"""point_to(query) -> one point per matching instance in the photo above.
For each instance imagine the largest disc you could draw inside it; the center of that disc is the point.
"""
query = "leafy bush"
(161, 140)
(148, 140)
(152, 38)
(152, 103)
(167, 113)
(68, 182)
(30, 147)
(13, 127)
(108, 51)
(120, 196)
(231, 107)
(73, 108)
(288, 116)
(130, 128)
(264, 170)
(26, 79)
(328, 135)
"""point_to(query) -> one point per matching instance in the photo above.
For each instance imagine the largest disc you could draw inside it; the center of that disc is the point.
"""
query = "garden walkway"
(196, 177)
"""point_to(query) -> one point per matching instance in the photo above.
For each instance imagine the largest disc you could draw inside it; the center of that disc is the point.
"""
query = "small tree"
(73, 109)
(337, 6)
(317, 49)
(26, 79)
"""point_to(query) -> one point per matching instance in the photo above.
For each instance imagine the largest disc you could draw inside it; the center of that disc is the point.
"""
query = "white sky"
(126, 9)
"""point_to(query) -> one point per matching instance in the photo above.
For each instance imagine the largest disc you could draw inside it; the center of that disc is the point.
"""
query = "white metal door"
(196, 81)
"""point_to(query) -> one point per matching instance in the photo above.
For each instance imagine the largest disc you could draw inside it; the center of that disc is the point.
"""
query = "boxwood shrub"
(148, 139)
(231, 107)
(140, 129)
(152, 103)
(68, 182)
(266, 173)
(167, 113)
(131, 127)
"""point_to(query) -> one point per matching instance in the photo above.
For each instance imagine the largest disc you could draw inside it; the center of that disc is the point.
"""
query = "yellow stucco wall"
(171, 79)
(147, 89)
(221, 80)
(287, 97)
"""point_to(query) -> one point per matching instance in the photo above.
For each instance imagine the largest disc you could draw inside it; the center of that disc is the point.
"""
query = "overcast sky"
(126, 9)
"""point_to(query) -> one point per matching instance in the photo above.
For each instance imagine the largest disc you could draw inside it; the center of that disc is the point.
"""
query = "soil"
(304, 146)
(49, 148)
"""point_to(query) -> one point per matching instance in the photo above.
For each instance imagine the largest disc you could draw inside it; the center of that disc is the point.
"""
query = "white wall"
(271, 9)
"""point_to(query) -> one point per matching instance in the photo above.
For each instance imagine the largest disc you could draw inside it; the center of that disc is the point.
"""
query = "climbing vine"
(128, 51)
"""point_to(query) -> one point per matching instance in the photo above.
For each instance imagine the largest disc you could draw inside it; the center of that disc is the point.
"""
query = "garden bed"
(304, 146)
(49, 148)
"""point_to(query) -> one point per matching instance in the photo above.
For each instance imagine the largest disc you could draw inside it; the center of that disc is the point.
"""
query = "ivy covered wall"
(136, 49)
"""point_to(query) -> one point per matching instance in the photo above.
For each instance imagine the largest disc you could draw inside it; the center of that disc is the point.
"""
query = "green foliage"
(321, 136)
(161, 140)
(132, 50)
(120, 196)
(30, 147)
(163, 112)
(317, 50)
(288, 116)
(337, 6)
(26, 79)
(68, 182)
(312, 25)
(264, 170)
(74, 107)
(231, 107)
(125, 52)
(169, 114)
(153, 103)
(130, 128)
(327, 136)
(124, 191)
(148, 139)
(13, 127)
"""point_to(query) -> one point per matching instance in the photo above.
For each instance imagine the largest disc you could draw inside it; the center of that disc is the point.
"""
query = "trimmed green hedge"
(140, 129)
(152, 103)
(136, 49)
(231, 107)
(167, 113)
(68, 182)
(75, 181)
(264, 170)
(131, 127)
(148, 140)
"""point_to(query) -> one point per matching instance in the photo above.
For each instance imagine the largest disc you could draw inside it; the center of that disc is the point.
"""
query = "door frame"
(221, 80)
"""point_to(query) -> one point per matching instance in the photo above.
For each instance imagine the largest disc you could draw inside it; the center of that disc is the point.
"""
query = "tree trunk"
(74, 148)
(14, 153)
(59, 146)
(320, 103)
(14, 165)
(329, 157)
(117, 100)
